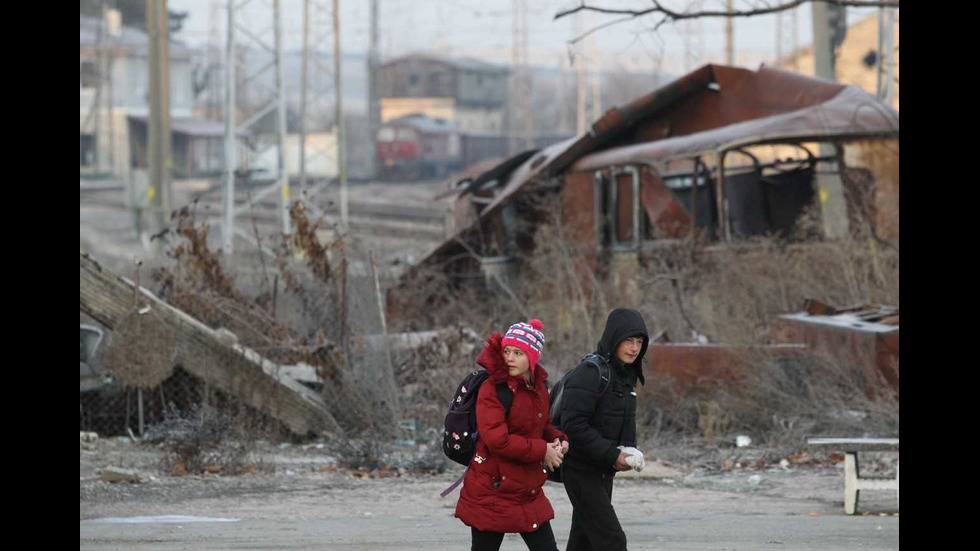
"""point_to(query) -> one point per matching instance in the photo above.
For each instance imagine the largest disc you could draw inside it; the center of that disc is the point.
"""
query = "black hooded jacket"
(597, 423)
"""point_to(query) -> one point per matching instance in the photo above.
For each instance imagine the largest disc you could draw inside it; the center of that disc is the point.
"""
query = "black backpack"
(596, 361)
(557, 391)
(459, 439)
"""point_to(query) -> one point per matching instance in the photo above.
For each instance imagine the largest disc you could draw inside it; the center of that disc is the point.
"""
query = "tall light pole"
(159, 126)
(231, 161)
(729, 35)
(341, 134)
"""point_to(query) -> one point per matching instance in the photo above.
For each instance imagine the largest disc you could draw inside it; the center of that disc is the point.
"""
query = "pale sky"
(482, 29)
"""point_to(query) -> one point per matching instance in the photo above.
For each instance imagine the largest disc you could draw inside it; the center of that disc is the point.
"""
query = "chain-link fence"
(324, 323)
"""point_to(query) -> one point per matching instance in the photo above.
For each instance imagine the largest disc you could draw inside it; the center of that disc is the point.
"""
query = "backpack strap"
(602, 365)
(506, 397)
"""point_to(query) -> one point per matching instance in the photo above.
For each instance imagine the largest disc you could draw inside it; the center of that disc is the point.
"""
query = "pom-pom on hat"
(528, 337)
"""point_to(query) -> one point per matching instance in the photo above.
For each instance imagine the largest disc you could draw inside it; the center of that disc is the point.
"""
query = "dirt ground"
(300, 499)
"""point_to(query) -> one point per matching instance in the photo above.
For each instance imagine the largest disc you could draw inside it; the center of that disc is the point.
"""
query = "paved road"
(403, 514)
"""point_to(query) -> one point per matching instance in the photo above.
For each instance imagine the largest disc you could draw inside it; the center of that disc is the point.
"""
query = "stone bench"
(853, 482)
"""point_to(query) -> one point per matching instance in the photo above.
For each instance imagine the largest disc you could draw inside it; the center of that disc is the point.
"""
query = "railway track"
(375, 218)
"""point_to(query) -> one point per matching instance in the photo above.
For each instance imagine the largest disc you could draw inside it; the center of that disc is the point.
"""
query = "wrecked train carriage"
(722, 152)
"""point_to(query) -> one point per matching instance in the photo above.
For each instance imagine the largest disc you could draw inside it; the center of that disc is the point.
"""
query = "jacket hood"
(491, 358)
(622, 324)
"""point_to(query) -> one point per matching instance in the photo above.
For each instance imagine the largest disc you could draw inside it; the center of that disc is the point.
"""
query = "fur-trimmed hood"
(491, 358)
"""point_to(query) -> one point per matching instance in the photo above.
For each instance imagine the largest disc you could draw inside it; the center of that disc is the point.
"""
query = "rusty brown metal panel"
(888, 356)
(669, 218)
(691, 367)
(816, 308)
(578, 213)
(876, 352)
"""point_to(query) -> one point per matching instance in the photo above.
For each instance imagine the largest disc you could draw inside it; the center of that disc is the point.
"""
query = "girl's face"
(517, 361)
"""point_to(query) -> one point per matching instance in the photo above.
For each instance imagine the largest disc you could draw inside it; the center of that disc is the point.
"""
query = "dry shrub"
(428, 374)
(208, 439)
(778, 401)
(732, 293)
(302, 329)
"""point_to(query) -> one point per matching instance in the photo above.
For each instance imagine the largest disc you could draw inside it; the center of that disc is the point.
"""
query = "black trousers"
(542, 539)
(595, 526)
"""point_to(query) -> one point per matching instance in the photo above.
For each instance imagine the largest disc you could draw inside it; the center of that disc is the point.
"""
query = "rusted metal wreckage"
(867, 335)
(863, 337)
(723, 152)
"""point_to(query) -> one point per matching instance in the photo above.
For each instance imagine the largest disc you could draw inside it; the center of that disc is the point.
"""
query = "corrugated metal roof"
(853, 112)
(753, 106)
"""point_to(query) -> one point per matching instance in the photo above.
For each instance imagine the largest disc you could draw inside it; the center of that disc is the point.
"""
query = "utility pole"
(889, 95)
(779, 37)
(231, 162)
(526, 82)
(562, 97)
(374, 107)
(341, 134)
(795, 39)
(581, 125)
(879, 67)
(111, 20)
(514, 87)
(281, 120)
(730, 35)
(159, 128)
(830, 188)
(823, 65)
(213, 60)
(596, 82)
(100, 85)
(304, 88)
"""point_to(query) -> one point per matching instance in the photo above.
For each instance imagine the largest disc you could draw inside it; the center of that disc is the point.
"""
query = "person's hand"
(552, 457)
(621, 464)
(561, 446)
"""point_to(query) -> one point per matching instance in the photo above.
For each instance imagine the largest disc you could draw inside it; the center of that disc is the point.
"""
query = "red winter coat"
(502, 491)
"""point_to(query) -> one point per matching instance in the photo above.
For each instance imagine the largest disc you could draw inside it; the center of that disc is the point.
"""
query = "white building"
(113, 110)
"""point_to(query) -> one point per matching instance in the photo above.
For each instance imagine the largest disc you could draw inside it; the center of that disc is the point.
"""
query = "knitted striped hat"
(528, 337)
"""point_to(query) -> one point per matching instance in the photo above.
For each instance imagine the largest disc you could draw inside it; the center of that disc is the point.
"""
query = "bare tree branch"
(670, 15)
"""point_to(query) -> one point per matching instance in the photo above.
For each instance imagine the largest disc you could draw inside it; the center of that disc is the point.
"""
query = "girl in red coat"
(503, 489)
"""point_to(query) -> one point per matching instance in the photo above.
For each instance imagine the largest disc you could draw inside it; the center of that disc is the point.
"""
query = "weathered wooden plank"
(229, 367)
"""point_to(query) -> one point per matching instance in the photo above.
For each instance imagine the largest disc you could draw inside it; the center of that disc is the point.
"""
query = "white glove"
(634, 457)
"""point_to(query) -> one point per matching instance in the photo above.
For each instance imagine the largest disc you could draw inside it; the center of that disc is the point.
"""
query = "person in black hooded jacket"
(597, 422)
